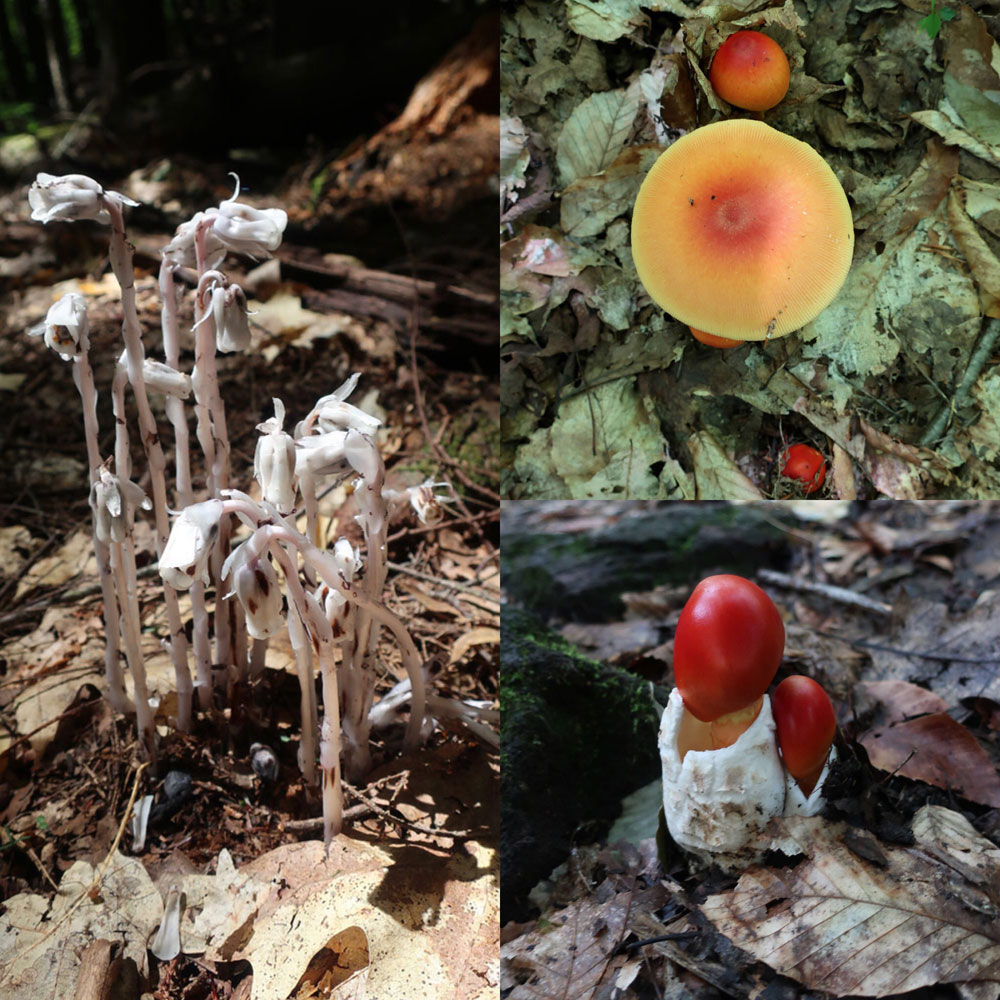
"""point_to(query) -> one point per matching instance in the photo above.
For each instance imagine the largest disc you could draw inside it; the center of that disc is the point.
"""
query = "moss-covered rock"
(577, 737)
(583, 576)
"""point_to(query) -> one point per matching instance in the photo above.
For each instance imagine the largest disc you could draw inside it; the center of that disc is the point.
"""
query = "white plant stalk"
(182, 457)
(717, 801)
(366, 460)
(302, 649)
(322, 635)
(83, 376)
(121, 264)
(124, 568)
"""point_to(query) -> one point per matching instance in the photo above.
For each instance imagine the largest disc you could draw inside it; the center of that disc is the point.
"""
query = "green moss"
(577, 736)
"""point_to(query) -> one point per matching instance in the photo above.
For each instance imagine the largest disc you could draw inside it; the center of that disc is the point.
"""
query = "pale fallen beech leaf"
(838, 923)
(938, 750)
(899, 699)
(951, 838)
(430, 921)
(42, 937)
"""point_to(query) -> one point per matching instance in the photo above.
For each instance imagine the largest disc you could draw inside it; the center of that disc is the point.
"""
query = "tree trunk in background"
(108, 37)
(53, 59)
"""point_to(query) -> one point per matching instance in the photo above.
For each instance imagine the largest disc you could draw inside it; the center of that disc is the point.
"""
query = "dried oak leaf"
(837, 923)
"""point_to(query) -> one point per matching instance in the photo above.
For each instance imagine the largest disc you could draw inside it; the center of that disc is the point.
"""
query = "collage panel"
(749, 748)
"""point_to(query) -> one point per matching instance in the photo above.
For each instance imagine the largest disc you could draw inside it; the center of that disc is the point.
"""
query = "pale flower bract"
(185, 556)
(71, 197)
(66, 327)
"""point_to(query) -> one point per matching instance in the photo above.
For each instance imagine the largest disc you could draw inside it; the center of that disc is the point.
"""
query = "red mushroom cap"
(728, 646)
(751, 71)
(803, 716)
(807, 465)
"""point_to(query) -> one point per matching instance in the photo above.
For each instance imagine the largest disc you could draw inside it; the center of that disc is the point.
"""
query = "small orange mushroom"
(751, 71)
(742, 231)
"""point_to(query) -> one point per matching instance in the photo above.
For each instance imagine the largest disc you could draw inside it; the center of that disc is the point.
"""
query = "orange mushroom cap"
(742, 231)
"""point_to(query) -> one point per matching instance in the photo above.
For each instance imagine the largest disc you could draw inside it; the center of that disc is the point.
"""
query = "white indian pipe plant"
(332, 619)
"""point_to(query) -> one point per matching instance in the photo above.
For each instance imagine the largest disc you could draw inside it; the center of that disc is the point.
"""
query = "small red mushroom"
(711, 340)
(807, 465)
(806, 725)
(751, 71)
(727, 649)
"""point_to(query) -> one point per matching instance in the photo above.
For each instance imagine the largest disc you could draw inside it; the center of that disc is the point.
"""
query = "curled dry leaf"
(938, 750)
(898, 700)
(838, 923)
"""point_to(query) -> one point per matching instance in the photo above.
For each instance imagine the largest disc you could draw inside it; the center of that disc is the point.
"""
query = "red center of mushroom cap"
(742, 231)
(727, 648)
(803, 716)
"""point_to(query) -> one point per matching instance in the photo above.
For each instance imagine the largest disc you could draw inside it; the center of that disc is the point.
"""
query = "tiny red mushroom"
(751, 71)
(710, 339)
(806, 725)
(727, 649)
(807, 465)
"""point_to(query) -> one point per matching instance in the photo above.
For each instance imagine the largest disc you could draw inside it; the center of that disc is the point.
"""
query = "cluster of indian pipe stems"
(331, 619)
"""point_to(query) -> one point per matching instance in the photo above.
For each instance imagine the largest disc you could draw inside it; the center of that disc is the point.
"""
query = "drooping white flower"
(347, 557)
(162, 378)
(181, 248)
(71, 197)
(363, 454)
(321, 454)
(333, 413)
(114, 503)
(274, 461)
(252, 232)
(255, 584)
(66, 327)
(232, 327)
(426, 502)
(185, 556)
(332, 600)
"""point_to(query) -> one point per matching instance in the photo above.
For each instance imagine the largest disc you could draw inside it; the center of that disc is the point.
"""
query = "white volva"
(799, 804)
(717, 801)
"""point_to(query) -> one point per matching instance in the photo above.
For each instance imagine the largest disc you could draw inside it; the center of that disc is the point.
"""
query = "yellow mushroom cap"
(742, 231)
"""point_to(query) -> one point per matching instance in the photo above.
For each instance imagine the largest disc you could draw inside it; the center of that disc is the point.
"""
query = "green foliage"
(932, 23)
(17, 116)
(71, 25)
